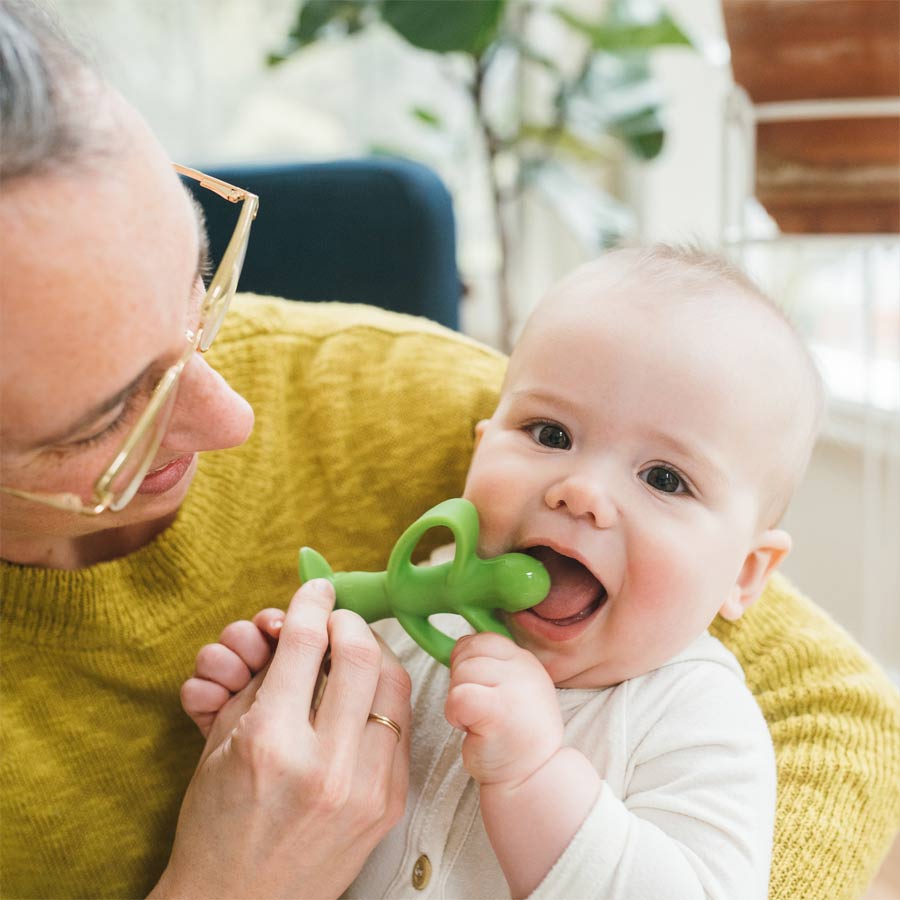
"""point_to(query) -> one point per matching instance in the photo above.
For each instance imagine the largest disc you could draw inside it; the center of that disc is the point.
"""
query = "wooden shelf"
(822, 176)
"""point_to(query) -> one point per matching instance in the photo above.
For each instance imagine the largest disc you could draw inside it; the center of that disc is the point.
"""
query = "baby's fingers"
(248, 642)
(218, 663)
(199, 696)
(202, 700)
(486, 644)
(270, 621)
(471, 707)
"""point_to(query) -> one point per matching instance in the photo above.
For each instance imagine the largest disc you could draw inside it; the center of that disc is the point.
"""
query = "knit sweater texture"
(364, 419)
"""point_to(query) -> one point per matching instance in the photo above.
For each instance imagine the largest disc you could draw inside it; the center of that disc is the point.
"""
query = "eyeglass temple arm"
(222, 188)
(67, 502)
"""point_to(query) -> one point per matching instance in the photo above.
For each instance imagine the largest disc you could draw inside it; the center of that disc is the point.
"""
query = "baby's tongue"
(572, 587)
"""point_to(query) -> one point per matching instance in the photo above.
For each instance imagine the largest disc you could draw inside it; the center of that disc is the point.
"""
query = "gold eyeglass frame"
(212, 312)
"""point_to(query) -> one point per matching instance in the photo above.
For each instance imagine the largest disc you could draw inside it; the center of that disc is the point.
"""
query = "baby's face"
(628, 454)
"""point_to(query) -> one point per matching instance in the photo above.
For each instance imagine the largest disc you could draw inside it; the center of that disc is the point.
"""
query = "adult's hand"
(283, 807)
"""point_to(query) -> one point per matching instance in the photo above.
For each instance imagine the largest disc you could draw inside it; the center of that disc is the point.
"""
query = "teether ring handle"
(469, 586)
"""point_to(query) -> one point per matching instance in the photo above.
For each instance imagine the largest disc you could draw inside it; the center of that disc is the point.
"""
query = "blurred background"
(767, 128)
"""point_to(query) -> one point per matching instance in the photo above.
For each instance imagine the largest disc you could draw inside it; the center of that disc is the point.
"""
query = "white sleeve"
(697, 817)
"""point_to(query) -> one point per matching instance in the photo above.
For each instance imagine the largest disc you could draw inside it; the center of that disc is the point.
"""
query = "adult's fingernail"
(322, 586)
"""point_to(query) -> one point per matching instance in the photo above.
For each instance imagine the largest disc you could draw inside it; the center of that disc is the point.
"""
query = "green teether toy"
(469, 586)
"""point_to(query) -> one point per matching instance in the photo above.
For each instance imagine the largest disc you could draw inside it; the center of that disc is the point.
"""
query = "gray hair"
(45, 84)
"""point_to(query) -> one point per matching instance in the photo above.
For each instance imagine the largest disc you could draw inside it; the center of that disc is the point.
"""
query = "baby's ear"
(769, 549)
(479, 430)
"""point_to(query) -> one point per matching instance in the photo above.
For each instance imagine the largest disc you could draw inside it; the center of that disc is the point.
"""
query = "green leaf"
(276, 59)
(617, 95)
(313, 17)
(620, 34)
(642, 132)
(446, 26)
(426, 116)
(647, 146)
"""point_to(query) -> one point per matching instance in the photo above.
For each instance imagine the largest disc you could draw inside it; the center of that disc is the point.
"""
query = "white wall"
(845, 521)
(678, 195)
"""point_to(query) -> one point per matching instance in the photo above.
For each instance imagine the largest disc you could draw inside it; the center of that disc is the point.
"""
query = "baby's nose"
(583, 498)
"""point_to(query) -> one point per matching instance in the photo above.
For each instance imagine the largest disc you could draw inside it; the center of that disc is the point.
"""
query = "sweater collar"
(137, 594)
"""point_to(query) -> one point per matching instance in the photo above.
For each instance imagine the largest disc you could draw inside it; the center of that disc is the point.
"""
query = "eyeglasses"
(118, 484)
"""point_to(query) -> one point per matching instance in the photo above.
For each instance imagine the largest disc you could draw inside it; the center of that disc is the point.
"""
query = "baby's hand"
(503, 697)
(226, 667)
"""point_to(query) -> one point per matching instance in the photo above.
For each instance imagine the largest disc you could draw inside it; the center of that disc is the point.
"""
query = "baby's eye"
(550, 435)
(664, 479)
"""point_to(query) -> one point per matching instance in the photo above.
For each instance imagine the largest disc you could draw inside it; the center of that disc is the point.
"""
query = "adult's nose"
(209, 414)
(583, 497)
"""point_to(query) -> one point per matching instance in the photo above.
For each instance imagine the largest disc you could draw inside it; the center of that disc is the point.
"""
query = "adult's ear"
(768, 550)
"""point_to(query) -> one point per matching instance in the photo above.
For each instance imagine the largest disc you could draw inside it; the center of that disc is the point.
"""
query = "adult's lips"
(164, 478)
(575, 592)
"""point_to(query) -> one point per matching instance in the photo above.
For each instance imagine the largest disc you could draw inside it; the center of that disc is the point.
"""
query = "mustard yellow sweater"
(364, 420)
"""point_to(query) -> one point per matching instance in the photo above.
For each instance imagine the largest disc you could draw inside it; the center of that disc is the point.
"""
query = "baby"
(656, 415)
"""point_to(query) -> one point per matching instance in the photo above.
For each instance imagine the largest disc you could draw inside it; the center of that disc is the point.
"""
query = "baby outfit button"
(421, 873)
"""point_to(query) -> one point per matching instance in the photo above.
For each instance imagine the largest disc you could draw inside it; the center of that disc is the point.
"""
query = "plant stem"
(493, 148)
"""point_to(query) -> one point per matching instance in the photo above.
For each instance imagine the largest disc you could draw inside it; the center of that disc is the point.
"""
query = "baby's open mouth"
(574, 594)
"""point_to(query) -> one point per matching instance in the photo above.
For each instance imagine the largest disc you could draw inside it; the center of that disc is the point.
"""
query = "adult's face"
(100, 281)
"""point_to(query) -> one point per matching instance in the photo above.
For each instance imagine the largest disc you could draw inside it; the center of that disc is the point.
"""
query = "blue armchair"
(377, 230)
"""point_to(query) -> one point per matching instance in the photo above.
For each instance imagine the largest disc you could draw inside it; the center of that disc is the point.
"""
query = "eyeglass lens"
(127, 480)
(215, 313)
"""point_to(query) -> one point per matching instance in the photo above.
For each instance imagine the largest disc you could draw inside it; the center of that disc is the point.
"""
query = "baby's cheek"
(661, 573)
(488, 486)
(675, 596)
(492, 494)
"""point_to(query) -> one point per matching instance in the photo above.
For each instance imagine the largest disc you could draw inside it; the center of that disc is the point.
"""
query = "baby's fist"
(506, 702)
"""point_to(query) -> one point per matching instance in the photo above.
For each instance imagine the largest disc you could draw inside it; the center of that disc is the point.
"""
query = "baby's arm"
(696, 817)
(226, 667)
(535, 793)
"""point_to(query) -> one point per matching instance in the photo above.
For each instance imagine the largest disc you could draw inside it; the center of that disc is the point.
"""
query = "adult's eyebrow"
(100, 409)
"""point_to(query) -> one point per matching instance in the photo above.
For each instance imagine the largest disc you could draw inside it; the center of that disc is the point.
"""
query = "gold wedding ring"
(319, 693)
(384, 720)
